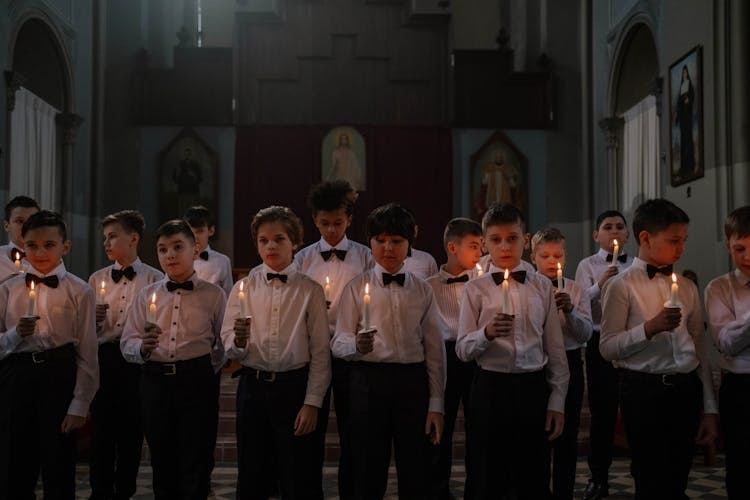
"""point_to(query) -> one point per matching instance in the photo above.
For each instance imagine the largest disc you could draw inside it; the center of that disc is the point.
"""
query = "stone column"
(612, 129)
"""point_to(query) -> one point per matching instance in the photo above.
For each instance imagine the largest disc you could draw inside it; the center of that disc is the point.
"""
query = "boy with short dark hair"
(727, 300)
(652, 329)
(12, 256)
(573, 308)
(117, 434)
(210, 265)
(48, 365)
(462, 240)
(333, 261)
(603, 379)
(171, 329)
(509, 326)
(389, 328)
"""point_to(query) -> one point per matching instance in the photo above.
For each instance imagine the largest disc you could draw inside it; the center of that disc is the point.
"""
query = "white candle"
(615, 253)
(673, 300)
(560, 282)
(32, 300)
(18, 261)
(243, 302)
(327, 289)
(479, 270)
(151, 316)
(506, 296)
(102, 292)
(366, 314)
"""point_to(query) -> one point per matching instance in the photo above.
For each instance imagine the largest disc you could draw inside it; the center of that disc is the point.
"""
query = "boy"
(727, 301)
(12, 256)
(117, 435)
(171, 329)
(333, 261)
(418, 262)
(276, 324)
(658, 347)
(574, 310)
(210, 265)
(463, 245)
(48, 367)
(511, 328)
(602, 378)
(390, 329)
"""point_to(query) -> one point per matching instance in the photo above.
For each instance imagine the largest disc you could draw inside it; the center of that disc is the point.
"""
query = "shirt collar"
(58, 271)
(741, 277)
(445, 274)
(494, 269)
(341, 245)
(602, 253)
(136, 264)
(378, 270)
(289, 270)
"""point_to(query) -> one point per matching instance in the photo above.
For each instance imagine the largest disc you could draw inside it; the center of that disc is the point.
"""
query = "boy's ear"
(644, 238)
(451, 247)
(526, 240)
(211, 230)
(66, 247)
(134, 239)
(5, 225)
(595, 234)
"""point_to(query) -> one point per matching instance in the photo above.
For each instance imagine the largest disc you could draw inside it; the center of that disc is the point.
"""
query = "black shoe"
(595, 491)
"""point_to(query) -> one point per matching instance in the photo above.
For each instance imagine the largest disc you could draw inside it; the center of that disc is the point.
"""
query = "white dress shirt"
(536, 342)
(630, 299)
(217, 269)
(8, 265)
(66, 316)
(408, 323)
(590, 270)
(448, 299)
(288, 330)
(119, 296)
(339, 273)
(576, 326)
(421, 264)
(190, 321)
(727, 301)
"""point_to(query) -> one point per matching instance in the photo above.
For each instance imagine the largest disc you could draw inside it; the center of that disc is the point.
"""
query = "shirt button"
(171, 355)
(176, 307)
(173, 339)
(120, 310)
(174, 322)
(118, 324)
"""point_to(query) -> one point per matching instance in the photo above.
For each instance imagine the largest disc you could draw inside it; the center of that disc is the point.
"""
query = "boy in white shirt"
(12, 256)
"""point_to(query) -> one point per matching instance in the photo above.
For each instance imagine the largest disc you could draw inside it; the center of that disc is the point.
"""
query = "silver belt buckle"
(665, 379)
(170, 369)
(37, 360)
(263, 379)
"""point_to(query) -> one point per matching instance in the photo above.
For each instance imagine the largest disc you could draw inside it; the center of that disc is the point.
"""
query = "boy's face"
(274, 245)
(332, 224)
(739, 249)
(202, 235)
(546, 257)
(45, 248)
(505, 243)
(611, 229)
(665, 247)
(389, 251)
(176, 254)
(119, 244)
(467, 251)
(13, 226)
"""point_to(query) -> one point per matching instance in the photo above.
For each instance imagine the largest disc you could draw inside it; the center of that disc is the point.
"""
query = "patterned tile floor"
(705, 482)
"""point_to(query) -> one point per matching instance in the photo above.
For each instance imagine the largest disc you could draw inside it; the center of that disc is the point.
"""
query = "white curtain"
(640, 155)
(33, 150)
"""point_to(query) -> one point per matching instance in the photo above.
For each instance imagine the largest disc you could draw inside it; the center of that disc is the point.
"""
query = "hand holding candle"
(366, 312)
(615, 254)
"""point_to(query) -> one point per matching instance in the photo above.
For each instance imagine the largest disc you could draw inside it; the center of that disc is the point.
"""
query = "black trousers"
(116, 430)
(457, 391)
(661, 416)
(508, 445)
(267, 406)
(179, 404)
(340, 386)
(604, 385)
(565, 447)
(389, 403)
(734, 409)
(34, 400)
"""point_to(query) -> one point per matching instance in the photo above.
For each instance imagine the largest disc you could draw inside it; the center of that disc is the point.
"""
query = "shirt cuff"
(436, 405)
(78, 408)
(315, 401)
(556, 402)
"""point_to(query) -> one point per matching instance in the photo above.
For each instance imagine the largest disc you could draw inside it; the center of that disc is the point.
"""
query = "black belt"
(265, 376)
(178, 367)
(666, 379)
(62, 353)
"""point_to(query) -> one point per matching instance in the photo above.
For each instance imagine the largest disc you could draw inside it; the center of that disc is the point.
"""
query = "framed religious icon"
(188, 175)
(686, 118)
(343, 151)
(498, 174)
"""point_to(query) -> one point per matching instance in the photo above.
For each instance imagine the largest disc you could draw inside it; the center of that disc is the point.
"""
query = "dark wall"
(277, 165)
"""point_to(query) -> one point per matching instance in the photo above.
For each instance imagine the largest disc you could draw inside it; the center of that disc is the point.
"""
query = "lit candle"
(479, 270)
(560, 282)
(151, 316)
(327, 289)
(615, 253)
(506, 296)
(241, 298)
(366, 319)
(102, 292)
(673, 300)
(18, 261)
(32, 300)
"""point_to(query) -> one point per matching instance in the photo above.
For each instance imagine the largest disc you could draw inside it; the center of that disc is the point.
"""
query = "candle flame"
(559, 266)
(615, 242)
(153, 298)
(367, 288)
(242, 285)
(674, 278)
(17, 255)
(507, 273)
(104, 285)
(328, 282)
(32, 286)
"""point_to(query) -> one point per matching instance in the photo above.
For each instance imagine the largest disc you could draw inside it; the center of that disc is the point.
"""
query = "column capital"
(13, 81)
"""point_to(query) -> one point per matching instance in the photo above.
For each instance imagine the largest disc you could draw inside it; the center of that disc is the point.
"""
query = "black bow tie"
(622, 258)
(326, 254)
(459, 279)
(185, 285)
(51, 281)
(17, 254)
(398, 278)
(281, 277)
(519, 276)
(652, 270)
(204, 255)
(128, 272)
(554, 283)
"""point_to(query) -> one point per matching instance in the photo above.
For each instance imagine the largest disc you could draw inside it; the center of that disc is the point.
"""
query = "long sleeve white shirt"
(727, 300)
(217, 269)
(590, 270)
